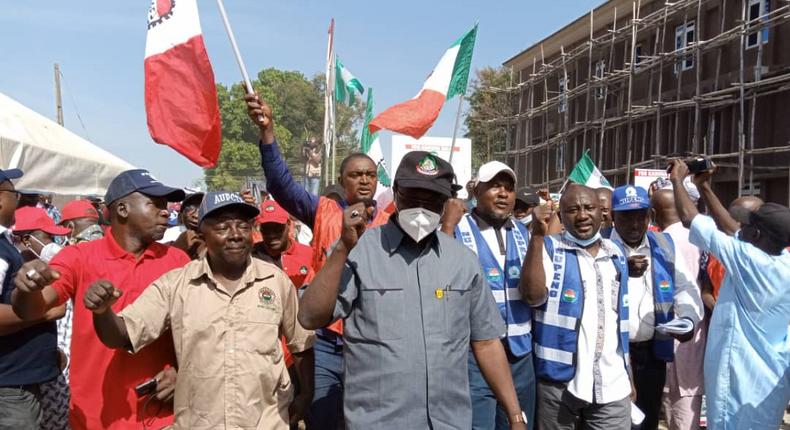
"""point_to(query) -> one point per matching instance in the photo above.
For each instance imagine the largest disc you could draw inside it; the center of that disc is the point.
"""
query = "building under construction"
(637, 82)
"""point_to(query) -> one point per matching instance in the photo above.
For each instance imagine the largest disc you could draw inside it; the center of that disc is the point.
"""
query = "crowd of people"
(602, 309)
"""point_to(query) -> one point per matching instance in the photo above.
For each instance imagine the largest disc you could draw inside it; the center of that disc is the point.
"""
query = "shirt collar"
(253, 272)
(114, 250)
(394, 236)
(482, 224)
(643, 244)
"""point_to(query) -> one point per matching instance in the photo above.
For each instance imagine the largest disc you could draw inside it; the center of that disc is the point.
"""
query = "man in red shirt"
(279, 247)
(102, 380)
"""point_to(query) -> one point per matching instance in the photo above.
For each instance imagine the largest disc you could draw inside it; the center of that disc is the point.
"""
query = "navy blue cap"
(217, 200)
(630, 198)
(140, 180)
(7, 175)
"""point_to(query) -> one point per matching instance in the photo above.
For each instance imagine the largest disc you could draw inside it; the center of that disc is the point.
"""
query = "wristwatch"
(520, 417)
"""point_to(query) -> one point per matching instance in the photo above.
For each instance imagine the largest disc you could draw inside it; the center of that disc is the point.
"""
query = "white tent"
(53, 159)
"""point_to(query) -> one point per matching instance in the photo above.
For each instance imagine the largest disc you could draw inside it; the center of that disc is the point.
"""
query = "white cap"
(492, 168)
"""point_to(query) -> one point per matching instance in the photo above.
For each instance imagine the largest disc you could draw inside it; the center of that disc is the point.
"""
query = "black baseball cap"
(140, 180)
(8, 174)
(217, 200)
(192, 199)
(771, 218)
(421, 169)
(528, 196)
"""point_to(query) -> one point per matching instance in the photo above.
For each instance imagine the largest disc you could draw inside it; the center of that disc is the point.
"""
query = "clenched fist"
(100, 296)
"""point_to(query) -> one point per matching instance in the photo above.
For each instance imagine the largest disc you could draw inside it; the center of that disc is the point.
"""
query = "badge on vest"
(569, 296)
(303, 270)
(493, 274)
(514, 272)
(664, 286)
(266, 297)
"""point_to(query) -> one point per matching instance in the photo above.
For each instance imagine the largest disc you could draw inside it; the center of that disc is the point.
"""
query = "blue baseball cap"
(140, 180)
(630, 198)
(217, 200)
(7, 175)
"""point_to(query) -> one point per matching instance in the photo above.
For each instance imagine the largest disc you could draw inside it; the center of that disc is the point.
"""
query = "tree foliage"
(298, 108)
(486, 103)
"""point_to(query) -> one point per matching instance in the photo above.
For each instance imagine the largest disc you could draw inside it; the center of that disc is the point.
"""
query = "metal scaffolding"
(608, 111)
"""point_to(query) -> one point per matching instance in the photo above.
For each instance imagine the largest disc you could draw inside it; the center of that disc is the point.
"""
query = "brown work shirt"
(231, 368)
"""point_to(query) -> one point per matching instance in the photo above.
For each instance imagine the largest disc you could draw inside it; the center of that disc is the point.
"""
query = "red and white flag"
(180, 94)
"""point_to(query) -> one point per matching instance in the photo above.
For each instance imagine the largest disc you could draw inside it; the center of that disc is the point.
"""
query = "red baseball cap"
(78, 209)
(30, 218)
(271, 211)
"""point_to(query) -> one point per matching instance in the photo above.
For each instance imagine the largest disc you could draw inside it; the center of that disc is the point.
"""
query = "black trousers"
(650, 374)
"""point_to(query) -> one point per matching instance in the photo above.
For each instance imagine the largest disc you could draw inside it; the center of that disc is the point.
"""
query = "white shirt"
(600, 368)
(687, 299)
(303, 233)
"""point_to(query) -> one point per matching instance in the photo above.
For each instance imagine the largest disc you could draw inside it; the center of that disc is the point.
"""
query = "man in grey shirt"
(413, 301)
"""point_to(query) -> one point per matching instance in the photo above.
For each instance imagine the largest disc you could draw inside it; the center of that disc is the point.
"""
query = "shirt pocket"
(382, 313)
(258, 333)
(456, 301)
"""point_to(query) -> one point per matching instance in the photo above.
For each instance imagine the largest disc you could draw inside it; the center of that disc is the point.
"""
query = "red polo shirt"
(102, 379)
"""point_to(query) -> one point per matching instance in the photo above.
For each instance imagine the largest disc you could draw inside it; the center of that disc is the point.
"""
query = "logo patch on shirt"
(514, 272)
(266, 296)
(569, 296)
(303, 270)
(664, 286)
(493, 274)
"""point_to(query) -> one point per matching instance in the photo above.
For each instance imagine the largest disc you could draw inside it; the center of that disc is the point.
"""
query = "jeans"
(20, 407)
(312, 183)
(486, 414)
(649, 376)
(326, 411)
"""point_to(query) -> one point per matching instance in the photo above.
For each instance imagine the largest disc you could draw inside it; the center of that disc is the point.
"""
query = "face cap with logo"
(629, 198)
(423, 170)
(771, 218)
(76, 209)
(216, 201)
(271, 211)
(140, 180)
(489, 170)
(31, 218)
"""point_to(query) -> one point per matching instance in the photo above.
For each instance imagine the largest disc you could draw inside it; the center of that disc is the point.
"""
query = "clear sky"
(390, 46)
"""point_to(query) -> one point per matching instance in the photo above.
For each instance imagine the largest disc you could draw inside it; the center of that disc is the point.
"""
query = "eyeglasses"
(17, 194)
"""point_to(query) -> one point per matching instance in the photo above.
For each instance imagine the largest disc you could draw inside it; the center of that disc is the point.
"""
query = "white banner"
(644, 177)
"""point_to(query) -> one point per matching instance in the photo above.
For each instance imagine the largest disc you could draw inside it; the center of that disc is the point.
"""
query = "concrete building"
(637, 82)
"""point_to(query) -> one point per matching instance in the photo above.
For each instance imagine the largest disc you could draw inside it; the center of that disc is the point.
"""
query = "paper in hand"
(677, 326)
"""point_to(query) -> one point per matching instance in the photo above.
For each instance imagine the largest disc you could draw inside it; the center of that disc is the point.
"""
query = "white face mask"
(418, 223)
(526, 220)
(48, 251)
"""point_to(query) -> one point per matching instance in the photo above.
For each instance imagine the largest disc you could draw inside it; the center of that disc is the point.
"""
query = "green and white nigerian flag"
(346, 84)
(586, 173)
(370, 144)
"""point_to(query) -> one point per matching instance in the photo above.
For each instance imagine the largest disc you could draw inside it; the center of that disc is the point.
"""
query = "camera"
(696, 165)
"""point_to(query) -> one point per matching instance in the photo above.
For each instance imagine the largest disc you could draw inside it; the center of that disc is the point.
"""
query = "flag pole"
(455, 129)
(328, 120)
(239, 60)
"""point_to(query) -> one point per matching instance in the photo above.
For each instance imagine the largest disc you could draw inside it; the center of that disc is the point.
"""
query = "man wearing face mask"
(414, 301)
(35, 233)
(324, 215)
(500, 243)
(82, 218)
(577, 283)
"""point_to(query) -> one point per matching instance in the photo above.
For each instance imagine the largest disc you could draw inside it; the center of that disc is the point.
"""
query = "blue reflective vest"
(662, 254)
(503, 280)
(558, 321)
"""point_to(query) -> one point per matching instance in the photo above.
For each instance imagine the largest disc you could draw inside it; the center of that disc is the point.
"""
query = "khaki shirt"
(231, 368)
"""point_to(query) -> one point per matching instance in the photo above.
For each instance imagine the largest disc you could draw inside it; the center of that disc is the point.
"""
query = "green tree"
(298, 107)
(488, 103)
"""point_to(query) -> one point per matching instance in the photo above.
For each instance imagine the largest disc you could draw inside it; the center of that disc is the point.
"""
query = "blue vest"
(28, 356)
(504, 280)
(557, 322)
(662, 254)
